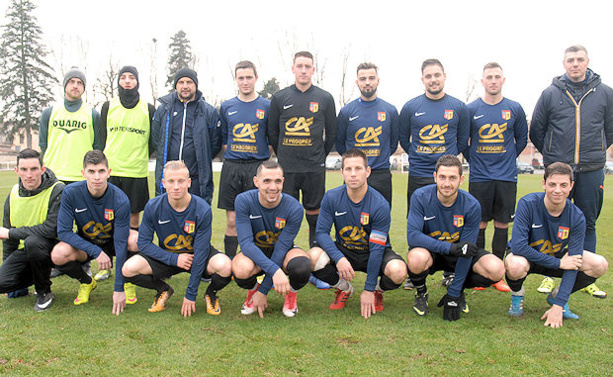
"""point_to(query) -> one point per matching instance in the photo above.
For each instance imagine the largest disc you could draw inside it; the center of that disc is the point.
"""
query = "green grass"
(88, 340)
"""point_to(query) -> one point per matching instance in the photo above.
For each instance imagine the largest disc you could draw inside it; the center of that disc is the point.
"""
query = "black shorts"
(162, 271)
(137, 190)
(236, 177)
(359, 259)
(269, 250)
(445, 262)
(414, 184)
(497, 199)
(312, 185)
(381, 180)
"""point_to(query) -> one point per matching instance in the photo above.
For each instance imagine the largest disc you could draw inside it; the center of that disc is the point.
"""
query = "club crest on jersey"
(109, 214)
(313, 107)
(506, 114)
(458, 221)
(189, 227)
(259, 114)
(448, 114)
(381, 116)
(364, 217)
(279, 223)
(563, 232)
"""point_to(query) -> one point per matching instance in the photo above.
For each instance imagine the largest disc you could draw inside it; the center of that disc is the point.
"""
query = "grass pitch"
(89, 340)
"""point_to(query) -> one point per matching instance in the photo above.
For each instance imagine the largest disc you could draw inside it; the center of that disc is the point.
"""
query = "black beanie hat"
(132, 70)
(186, 72)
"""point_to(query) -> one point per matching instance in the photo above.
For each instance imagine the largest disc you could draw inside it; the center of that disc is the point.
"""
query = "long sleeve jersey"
(543, 239)
(244, 129)
(435, 227)
(372, 127)
(267, 234)
(99, 221)
(361, 227)
(188, 231)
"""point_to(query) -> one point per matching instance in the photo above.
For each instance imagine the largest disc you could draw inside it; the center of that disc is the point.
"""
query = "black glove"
(464, 249)
(451, 311)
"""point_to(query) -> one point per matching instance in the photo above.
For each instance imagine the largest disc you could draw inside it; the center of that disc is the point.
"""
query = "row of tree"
(27, 81)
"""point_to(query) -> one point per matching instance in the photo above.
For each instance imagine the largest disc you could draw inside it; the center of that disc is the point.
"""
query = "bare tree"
(105, 85)
(470, 89)
(343, 97)
(153, 70)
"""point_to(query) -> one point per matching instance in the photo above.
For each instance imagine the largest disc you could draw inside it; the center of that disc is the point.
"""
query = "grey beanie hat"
(186, 72)
(74, 72)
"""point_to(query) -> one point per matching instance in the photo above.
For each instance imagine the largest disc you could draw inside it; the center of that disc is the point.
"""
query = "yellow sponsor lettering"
(433, 134)
(245, 132)
(178, 243)
(491, 149)
(492, 133)
(431, 150)
(298, 126)
(445, 236)
(353, 235)
(244, 148)
(266, 238)
(546, 247)
(368, 137)
(296, 142)
(96, 230)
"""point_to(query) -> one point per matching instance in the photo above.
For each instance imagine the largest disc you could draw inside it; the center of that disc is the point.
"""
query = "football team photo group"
(84, 196)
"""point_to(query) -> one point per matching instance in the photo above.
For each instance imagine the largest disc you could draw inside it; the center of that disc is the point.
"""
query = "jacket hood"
(593, 79)
(48, 180)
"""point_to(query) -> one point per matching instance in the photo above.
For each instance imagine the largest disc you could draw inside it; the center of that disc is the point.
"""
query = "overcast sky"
(526, 37)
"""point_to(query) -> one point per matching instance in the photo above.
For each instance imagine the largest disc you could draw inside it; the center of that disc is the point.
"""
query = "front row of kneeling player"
(442, 228)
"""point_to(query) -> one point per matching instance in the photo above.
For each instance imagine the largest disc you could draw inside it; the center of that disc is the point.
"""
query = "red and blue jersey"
(263, 229)
(372, 127)
(360, 227)
(244, 129)
(543, 239)
(429, 129)
(498, 134)
(100, 221)
(188, 231)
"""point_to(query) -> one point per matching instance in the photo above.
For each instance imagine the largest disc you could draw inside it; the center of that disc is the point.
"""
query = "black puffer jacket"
(573, 122)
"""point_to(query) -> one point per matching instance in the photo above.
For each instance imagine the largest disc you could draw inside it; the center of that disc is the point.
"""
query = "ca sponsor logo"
(266, 238)
(492, 133)
(353, 235)
(245, 132)
(368, 137)
(298, 126)
(433, 134)
(96, 230)
(179, 242)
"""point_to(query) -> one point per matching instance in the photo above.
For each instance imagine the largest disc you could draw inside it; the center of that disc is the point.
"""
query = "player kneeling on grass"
(101, 212)
(182, 223)
(547, 239)
(267, 222)
(442, 229)
(361, 218)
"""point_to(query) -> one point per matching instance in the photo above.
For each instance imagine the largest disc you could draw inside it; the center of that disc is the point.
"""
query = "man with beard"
(431, 125)
(186, 128)
(442, 228)
(371, 125)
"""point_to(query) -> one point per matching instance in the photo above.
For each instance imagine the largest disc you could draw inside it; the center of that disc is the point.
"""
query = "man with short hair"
(101, 212)
(431, 125)
(186, 128)
(302, 130)
(361, 218)
(244, 137)
(29, 229)
(548, 239)
(267, 223)
(69, 129)
(126, 126)
(499, 133)
(442, 228)
(573, 123)
(371, 125)
(182, 223)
